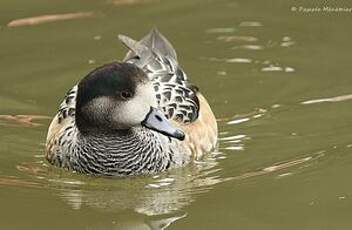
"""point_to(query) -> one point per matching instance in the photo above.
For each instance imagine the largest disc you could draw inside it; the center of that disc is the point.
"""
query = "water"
(278, 81)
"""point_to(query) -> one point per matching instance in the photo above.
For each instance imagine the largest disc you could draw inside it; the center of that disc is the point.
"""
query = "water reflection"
(328, 99)
(274, 68)
(249, 47)
(236, 38)
(264, 66)
(221, 30)
(162, 194)
(140, 223)
(238, 60)
(241, 118)
(287, 42)
(235, 142)
(245, 41)
(36, 20)
(250, 24)
(158, 200)
(26, 120)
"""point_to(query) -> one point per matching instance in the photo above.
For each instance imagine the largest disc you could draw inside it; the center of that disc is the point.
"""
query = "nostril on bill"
(158, 118)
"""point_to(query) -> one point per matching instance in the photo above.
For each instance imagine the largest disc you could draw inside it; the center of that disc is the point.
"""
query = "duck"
(138, 116)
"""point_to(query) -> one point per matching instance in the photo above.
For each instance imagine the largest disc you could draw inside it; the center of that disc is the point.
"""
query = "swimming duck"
(135, 117)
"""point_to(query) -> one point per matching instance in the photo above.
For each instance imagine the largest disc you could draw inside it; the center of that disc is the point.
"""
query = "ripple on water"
(97, 37)
(274, 68)
(328, 99)
(49, 18)
(236, 38)
(263, 66)
(287, 42)
(249, 47)
(239, 60)
(250, 24)
(160, 194)
(221, 30)
(238, 119)
(232, 143)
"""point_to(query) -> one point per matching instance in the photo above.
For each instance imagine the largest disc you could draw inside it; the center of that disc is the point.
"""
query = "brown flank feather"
(201, 135)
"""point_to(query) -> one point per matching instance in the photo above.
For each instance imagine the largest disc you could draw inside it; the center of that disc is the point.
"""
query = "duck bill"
(156, 120)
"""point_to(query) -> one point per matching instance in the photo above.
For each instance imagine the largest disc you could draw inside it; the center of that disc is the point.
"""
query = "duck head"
(118, 97)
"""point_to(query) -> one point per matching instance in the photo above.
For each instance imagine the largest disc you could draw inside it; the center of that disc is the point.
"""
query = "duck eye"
(125, 95)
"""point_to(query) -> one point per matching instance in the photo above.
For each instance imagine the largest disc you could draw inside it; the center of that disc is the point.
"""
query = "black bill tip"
(179, 135)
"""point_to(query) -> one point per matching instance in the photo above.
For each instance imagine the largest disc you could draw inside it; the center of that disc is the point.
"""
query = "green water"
(284, 154)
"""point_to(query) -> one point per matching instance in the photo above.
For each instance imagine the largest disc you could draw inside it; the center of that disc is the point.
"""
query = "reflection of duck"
(119, 119)
(158, 199)
(157, 195)
(146, 203)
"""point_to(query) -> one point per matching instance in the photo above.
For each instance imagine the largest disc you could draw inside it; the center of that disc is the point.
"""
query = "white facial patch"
(134, 111)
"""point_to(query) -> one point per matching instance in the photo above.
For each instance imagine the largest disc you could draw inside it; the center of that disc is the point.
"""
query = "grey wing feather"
(156, 56)
(135, 48)
(153, 41)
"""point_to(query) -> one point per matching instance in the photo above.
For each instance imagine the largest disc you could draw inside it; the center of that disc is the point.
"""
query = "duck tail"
(154, 41)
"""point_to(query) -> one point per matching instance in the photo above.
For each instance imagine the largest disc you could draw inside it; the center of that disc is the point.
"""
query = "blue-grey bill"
(156, 120)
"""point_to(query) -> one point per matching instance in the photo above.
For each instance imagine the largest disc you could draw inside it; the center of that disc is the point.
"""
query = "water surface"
(279, 82)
